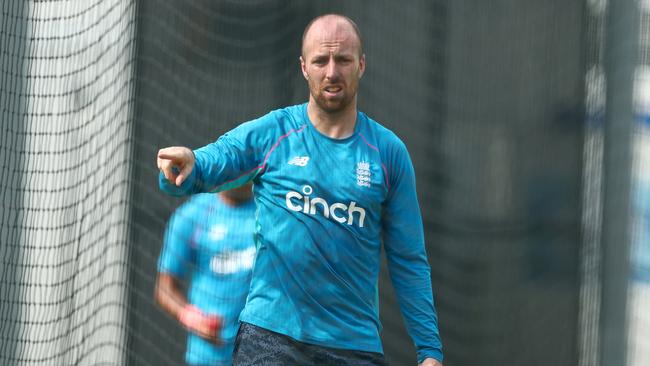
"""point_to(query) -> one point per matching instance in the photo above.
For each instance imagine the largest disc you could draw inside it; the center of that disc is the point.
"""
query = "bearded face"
(333, 84)
(333, 64)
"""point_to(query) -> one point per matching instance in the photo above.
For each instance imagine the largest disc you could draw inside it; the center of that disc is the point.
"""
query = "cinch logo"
(303, 203)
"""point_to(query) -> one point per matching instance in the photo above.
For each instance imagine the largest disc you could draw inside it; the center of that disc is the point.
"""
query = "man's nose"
(331, 70)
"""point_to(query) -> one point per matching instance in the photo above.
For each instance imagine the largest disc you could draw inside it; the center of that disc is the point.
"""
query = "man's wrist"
(190, 316)
(434, 354)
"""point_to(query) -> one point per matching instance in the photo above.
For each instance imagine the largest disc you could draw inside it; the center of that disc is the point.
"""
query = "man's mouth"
(333, 89)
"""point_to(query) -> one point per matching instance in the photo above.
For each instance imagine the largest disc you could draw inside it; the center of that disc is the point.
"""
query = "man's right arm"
(170, 297)
(233, 160)
(168, 294)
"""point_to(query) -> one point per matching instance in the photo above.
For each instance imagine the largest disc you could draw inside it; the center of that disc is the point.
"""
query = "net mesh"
(67, 103)
(501, 105)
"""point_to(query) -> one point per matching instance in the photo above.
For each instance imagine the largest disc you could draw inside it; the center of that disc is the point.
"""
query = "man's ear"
(362, 65)
(303, 68)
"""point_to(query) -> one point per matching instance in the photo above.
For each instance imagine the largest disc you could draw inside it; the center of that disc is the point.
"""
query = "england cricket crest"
(363, 174)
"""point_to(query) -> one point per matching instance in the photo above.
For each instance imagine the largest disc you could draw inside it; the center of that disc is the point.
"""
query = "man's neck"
(337, 125)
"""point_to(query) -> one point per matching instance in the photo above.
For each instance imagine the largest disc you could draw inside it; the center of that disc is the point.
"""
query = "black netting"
(502, 105)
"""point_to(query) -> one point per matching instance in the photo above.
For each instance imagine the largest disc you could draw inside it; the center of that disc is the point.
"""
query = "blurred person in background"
(209, 242)
(332, 186)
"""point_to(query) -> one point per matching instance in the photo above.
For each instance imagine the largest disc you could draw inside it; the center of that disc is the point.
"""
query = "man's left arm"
(407, 260)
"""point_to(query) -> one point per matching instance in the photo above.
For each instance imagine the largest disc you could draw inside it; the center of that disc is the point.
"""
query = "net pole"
(13, 30)
(620, 60)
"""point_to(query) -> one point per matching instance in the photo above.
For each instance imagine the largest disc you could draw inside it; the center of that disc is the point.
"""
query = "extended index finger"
(165, 160)
(168, 154)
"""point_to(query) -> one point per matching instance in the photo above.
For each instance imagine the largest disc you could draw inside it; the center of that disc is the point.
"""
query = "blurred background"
(528, 124)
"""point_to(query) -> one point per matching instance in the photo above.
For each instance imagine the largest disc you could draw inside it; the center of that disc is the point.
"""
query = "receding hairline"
(340, 16)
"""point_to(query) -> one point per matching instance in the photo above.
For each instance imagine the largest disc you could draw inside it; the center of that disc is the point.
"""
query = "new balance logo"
(310, 205)
(299, 160)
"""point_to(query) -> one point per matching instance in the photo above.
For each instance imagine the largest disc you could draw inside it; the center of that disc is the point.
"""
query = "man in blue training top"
(331, 185)
(209, 239)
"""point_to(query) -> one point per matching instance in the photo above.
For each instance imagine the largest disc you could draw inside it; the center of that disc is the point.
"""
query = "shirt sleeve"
(234, 159)
(408, 266)
(178, 254)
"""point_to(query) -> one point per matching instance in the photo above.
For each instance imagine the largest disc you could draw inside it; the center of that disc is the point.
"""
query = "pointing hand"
(176, 163)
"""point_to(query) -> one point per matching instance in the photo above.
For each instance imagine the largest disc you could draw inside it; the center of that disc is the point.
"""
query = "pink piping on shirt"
(266, 158)
(382, 164)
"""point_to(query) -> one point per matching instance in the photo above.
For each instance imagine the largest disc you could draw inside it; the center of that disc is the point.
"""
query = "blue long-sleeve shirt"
(324, 206)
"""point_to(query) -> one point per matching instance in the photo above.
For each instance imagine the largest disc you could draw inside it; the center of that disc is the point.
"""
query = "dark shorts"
(260, 347)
